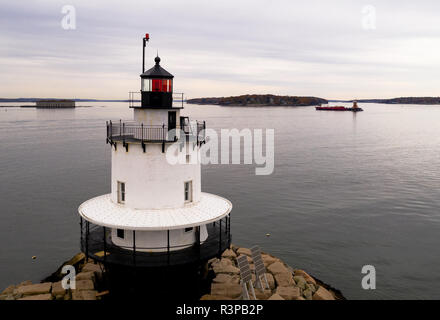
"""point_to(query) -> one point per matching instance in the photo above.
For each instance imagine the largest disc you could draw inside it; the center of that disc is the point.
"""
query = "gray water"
(348, 190)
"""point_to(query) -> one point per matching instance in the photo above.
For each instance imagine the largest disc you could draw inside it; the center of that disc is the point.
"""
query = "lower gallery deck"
(96, 244)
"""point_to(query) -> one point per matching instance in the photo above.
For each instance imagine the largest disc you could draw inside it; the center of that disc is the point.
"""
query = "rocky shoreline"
(285, 282)
(89, 281)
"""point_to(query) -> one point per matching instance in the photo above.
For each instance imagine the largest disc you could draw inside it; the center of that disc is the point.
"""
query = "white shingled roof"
(104, 212)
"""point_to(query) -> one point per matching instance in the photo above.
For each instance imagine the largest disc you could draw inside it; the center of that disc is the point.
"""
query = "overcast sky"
(329, 49)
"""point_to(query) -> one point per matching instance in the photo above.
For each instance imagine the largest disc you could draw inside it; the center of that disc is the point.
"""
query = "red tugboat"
(355, 108)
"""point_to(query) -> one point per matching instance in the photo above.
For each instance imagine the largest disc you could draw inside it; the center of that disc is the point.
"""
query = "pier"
(55, 104)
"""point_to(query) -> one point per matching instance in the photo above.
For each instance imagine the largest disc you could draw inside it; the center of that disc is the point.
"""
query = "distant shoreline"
(402, 100)
(246, 100)
(3, 100)
(286, 101)
(35, 107)
(256, 105)
(263, 100)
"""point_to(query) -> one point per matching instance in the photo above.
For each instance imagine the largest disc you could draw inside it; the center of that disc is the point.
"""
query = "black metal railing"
(96, 243)
(135, 98)
(132, 132)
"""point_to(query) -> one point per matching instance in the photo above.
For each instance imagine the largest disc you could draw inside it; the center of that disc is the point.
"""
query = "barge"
(354, 108)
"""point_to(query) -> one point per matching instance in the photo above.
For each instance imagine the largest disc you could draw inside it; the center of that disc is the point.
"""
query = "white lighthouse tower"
(156, 213)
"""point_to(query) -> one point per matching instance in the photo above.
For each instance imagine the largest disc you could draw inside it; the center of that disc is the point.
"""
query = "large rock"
(234, 247)
(58, 291)
(262, 294)
(96, 268)
(222, 278)
(225, 266)
(288, 293)
(88, 294)
(34, 289)
(83, 295)
(277, 267)
(226, 278)
(244, 251)
(249, 259)
(284, 279)
(84, 285)
(25, 283)
(231, 290)
(9, 290)
(322, 294)
(86, 275)
(46, 296)
(270, 280)
(308, 294)
(300, 282)
(236, 278)
(91, 267)
(222, 262)
(305, 275)
(229, 254)
(268, 259)
(76, 259)
(276, 296)
(312, 287)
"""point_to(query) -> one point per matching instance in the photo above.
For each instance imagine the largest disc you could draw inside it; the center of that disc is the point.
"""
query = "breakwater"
(222, 276)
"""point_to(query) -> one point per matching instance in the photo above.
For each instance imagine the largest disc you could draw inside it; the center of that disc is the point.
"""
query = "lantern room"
(157, 87)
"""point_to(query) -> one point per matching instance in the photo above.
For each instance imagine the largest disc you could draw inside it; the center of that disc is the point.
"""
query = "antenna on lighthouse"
(144, 41)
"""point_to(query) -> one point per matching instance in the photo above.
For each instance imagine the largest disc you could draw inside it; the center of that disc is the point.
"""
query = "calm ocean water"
(348, 190)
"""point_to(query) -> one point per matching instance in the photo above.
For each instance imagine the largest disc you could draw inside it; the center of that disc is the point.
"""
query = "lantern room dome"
(157, 71)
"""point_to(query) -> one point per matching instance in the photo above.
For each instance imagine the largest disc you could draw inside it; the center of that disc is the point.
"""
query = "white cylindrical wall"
(151, 182)
(157, 241)
(155, 117)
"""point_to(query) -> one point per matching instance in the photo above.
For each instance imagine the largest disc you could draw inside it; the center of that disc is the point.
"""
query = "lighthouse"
(156, 215)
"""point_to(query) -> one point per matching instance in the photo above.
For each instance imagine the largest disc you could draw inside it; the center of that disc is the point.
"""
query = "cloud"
(221, 48)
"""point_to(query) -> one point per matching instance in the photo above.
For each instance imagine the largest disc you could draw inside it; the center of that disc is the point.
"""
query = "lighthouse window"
(146, 84)
(156, 85)
(164, 85)
(188, 191)
(188, 229)
(121, 192)
(120, 233)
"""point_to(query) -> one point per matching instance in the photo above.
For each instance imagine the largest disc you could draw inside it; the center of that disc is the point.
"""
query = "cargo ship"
(354, 108)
